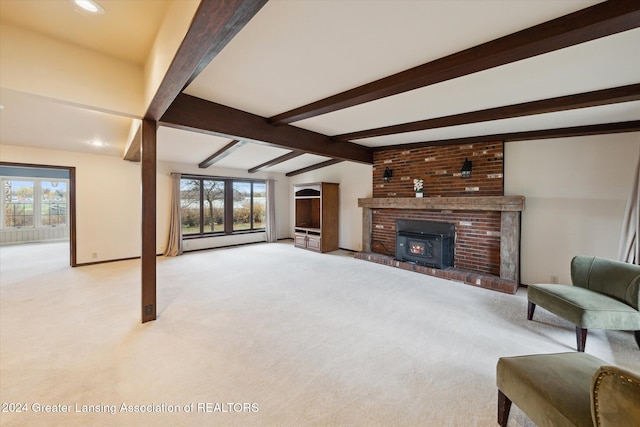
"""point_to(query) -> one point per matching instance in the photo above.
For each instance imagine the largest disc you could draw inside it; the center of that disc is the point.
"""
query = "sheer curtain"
(174, 246)
(629, 250)
(272, 234)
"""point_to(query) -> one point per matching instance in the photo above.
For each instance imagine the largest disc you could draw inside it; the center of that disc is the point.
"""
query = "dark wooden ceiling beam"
(314, 167)
(214, 24)
(196, 114)
(600, 20)
(277, 160)
(221, 153)
(562, 103)
(599, 129)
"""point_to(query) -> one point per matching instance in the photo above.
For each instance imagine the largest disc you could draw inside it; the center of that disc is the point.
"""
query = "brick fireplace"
(487, 224)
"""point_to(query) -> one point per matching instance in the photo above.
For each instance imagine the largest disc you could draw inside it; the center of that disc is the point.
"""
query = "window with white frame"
(34, 202)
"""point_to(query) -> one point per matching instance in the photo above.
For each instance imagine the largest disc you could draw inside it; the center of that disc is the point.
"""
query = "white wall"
(355, 182)
(164, 171)
(108, 202)
(108, 206)
(576, 191)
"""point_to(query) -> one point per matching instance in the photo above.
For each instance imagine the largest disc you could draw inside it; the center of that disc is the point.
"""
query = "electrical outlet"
(554, 278)
(94, 255)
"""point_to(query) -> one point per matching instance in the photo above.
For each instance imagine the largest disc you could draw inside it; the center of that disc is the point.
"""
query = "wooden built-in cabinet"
(316, 213)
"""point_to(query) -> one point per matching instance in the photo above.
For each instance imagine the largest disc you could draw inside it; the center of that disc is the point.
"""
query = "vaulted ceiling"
(303, 84)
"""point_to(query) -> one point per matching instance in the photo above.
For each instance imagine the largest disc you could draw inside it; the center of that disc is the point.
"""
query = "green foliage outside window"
(203, 207)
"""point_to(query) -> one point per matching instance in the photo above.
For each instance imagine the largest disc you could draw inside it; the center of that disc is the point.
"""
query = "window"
(190, 206)
(18, 203)
(208, 203)
(249, 205)
(213, 197)
(34, 203)
(259, 214)
(53, 203)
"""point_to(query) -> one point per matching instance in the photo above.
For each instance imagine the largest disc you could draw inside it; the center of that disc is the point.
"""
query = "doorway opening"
(38, 205)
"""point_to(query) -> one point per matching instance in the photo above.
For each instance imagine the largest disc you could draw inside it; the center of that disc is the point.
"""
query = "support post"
(148, 178)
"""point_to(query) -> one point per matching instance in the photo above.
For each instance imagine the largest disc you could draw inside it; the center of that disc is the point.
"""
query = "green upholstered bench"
(568, 389)
(605, 295)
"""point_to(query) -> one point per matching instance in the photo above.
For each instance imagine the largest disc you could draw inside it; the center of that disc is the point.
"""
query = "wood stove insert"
(426, 243)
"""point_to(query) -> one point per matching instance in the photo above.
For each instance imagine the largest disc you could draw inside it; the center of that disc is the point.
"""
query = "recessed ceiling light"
(97, 143)
(90, 6)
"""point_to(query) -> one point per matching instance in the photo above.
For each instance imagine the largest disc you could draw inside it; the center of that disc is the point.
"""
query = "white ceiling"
(182, 146)
(296, 52)
(32, 121)
(565, 72)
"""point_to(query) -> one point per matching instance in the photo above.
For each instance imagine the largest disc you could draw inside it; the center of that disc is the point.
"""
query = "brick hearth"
(468, 277)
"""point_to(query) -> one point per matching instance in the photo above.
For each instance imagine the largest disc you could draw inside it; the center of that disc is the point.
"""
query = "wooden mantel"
(479, 203)
(509, 207)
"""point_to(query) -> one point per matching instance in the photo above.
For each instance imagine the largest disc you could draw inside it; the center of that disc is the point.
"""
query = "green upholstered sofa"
(568, 389)
(605, 295)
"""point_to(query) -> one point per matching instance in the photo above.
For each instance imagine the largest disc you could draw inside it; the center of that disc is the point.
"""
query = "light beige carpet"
(262, 335)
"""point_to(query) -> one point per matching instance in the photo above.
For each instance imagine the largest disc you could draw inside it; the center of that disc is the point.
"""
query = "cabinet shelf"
(307, 230)
(316, 216)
